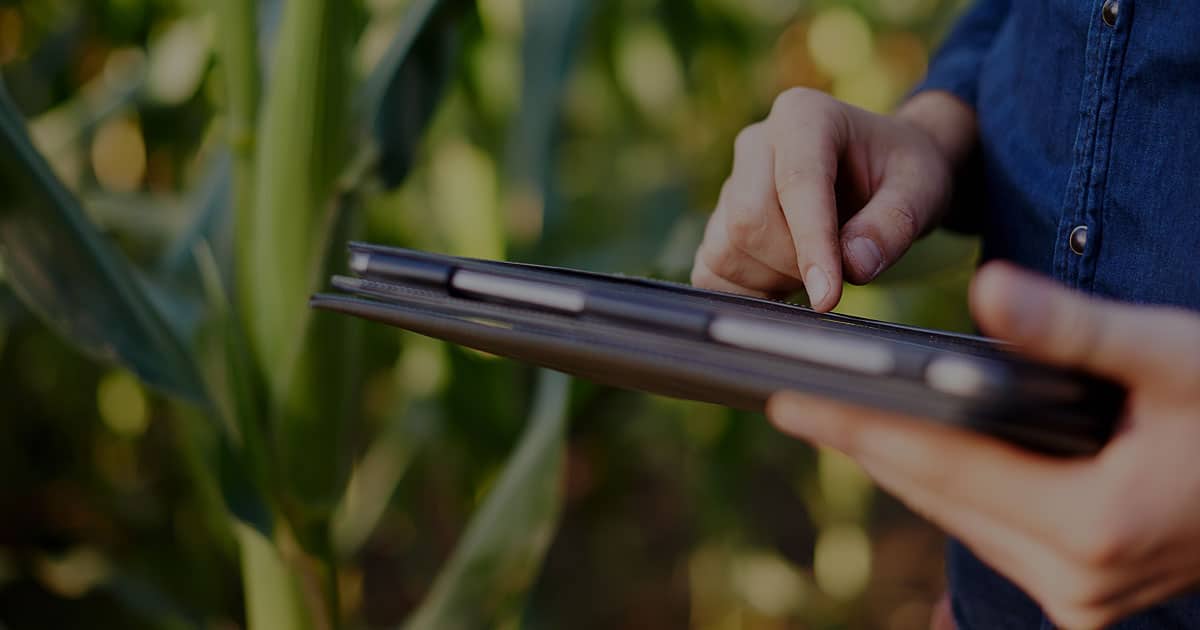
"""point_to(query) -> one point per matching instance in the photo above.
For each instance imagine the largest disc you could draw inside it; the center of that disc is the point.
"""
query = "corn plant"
(267, 387)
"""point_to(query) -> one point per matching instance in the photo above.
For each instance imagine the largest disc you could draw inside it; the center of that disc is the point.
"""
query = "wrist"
(948, 121)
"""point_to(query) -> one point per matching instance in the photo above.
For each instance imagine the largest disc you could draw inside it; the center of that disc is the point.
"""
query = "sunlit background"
(676, 514)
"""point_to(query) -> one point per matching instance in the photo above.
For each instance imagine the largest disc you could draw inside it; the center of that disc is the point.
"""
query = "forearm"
(948, 120)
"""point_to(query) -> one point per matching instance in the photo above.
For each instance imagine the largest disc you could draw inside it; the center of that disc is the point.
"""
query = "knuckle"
(804, 176)
(1073, 595)
(1105, 544)
(800, 100)
(701, 275)
(814, 242)
(905, 221)
(725, 262)
(1082, 588)
(744, 224)
(748, 138)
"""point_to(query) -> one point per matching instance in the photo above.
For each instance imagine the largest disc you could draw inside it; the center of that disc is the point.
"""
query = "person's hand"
(1091, 540)
(814, 164)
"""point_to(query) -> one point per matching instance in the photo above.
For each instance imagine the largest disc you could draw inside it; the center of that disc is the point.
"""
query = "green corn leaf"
(553, 34)
(498, 556)
(484, 582)
(380, 471)
(404, 89)
(296, 218)
(177, 272)
(300, 146)
(242, 468)
(316, 416)
(210, 222)
(238, 50)
(301, 222)
(64, 270)
(275, 598)
(396, 102)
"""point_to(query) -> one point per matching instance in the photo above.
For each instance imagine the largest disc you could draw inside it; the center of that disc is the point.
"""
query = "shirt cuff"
(956, 73)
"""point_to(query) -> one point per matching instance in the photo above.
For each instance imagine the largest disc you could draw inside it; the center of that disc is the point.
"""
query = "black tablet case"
(1036, 406)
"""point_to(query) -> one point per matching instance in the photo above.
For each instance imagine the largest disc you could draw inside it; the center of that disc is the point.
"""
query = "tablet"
(733, 350)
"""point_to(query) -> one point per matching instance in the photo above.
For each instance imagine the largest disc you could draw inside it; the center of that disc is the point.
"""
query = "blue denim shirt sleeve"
(955, 67)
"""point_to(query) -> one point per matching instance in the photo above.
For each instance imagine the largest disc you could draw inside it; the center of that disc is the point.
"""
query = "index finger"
(807, 146)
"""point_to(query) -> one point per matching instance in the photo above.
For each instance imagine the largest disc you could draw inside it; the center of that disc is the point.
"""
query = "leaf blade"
(502, 547)
(405, 88)
(554, 34)
(82, 286)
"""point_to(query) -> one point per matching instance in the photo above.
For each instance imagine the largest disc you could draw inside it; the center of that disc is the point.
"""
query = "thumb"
(879, 234)
(1132, 344)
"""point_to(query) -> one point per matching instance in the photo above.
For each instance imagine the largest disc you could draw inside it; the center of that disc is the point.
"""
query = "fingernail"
(865, 255)
(816, 284)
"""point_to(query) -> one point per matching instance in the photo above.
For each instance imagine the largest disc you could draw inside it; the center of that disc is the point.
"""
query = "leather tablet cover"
(1046, 409)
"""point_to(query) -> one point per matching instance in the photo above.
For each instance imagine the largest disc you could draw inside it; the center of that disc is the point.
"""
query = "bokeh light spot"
(10, 34)
(501, 17)
(122, 404)
(905, 54)
(845, 489)
(762, 12)
(842, 561)
(122, 67)
(496, 70)
(423, 369)
(905, 11)
(465, 200)
(373, 43)
(769, 583)
(649, 70)
(874, 87)
(839, 41)
(119, 155)
(524, 213)
(794, 65)
(179, 55)
(73, 573)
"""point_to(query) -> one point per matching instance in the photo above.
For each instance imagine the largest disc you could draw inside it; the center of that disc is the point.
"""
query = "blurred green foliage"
(589, 134)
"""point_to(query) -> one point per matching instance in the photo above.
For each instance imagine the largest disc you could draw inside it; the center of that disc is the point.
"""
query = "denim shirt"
(1089, 129)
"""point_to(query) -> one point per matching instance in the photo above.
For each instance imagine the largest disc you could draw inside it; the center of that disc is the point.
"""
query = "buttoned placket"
(1081, 225)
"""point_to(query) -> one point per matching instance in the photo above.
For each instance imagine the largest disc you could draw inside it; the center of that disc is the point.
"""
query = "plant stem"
(301, 144)
(238, 50)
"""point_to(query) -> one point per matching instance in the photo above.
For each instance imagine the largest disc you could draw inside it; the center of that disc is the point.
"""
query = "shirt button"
(1109, 12)
(1078, 239)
